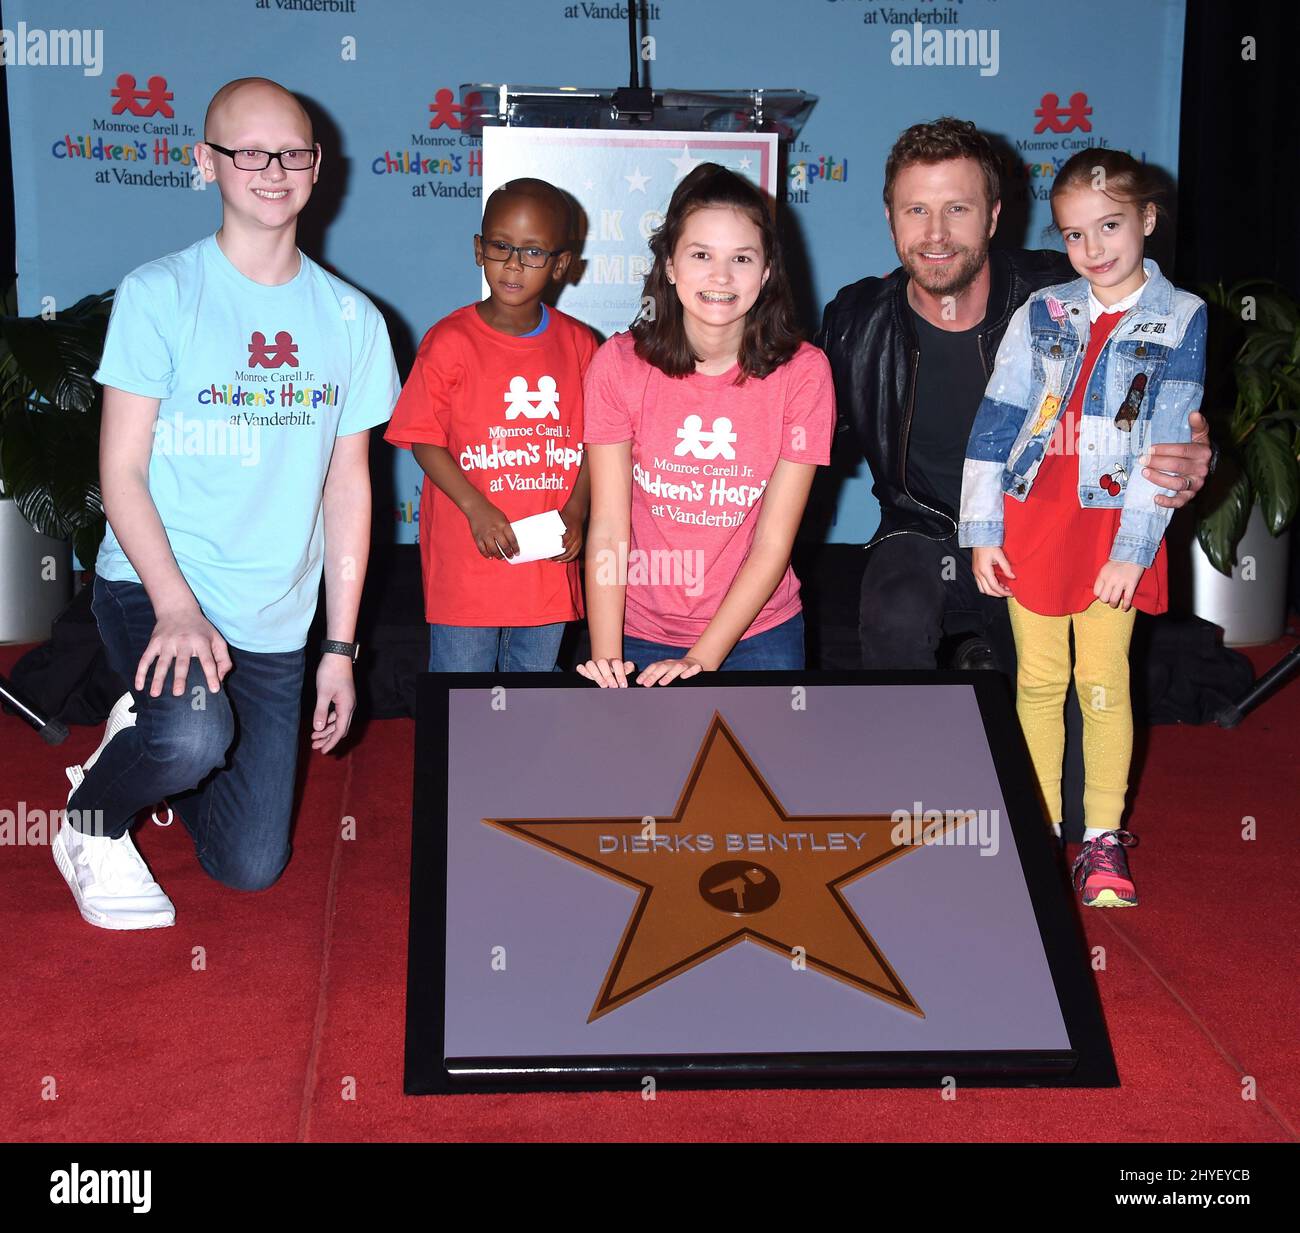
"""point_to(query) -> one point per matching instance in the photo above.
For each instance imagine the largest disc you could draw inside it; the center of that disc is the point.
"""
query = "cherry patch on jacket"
(1114, 481)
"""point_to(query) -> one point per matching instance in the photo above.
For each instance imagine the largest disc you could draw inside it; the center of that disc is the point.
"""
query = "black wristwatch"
(351, 649)
(1214, 456)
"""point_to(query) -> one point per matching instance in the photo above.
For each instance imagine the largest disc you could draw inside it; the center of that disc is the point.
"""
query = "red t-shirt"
(1054, 545)
(509, 410)
(703, 450)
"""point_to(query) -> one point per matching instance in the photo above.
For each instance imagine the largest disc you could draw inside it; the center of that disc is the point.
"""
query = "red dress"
(1057, 547)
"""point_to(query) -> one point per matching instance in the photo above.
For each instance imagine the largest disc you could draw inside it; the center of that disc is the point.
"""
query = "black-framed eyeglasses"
(260, 160)
(535, 258)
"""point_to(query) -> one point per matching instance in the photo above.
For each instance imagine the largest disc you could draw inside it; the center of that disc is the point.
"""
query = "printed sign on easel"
(622, 182)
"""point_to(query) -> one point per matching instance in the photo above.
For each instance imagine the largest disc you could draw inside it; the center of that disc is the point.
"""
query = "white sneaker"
(121, 716)
(109, 879)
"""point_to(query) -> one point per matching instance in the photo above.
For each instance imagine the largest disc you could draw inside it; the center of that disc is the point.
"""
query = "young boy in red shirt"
(492, 411)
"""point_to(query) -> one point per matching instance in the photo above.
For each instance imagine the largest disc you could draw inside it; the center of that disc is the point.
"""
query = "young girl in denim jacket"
(1054, 502)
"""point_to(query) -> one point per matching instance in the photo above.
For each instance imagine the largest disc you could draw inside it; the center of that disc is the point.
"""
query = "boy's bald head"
(248, 100)
(542, 195)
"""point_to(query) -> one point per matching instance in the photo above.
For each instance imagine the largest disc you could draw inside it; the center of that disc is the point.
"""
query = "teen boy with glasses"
(240, 384)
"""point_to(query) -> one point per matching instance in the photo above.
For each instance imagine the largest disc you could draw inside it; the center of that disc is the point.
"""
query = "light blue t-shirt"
(255, 384)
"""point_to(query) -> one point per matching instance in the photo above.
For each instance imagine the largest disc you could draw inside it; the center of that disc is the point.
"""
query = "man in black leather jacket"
(911, 354)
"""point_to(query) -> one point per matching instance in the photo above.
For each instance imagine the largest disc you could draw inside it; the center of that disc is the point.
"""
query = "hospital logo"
(539, 404)
(1054, 118)
(283, 351)
(130, 100)
(450, 114)
(697, 441)
(139, 142)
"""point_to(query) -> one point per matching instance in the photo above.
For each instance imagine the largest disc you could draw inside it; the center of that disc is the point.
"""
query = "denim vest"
(1146, 382)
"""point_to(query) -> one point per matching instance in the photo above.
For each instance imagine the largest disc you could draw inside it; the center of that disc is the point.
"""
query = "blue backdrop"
(102, 147)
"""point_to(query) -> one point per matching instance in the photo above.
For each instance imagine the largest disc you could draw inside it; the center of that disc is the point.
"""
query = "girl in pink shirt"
(704, 426)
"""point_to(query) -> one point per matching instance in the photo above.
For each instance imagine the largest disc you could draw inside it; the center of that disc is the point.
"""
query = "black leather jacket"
(867, 333)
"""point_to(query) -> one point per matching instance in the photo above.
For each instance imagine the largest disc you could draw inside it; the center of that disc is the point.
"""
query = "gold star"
(731, 865)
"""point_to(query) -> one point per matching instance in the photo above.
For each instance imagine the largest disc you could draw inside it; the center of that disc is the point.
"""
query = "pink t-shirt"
(703, 450)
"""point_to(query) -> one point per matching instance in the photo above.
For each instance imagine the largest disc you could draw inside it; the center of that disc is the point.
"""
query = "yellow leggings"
(1101, 641)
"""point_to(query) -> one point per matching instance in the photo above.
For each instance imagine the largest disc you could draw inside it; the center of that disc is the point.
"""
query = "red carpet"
(279, 1016)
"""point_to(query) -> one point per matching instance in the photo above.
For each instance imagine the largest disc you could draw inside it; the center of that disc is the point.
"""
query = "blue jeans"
(779, 649)
(492, 648)
(224, 761)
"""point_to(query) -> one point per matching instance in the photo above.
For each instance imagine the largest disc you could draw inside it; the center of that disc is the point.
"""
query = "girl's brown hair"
(771, 335)
(1113, 172)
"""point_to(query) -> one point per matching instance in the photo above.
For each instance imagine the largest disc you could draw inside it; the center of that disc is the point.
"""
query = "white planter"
(1250, 607)
(35, 578)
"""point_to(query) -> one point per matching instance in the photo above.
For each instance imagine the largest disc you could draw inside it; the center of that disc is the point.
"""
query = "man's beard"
(946, 280)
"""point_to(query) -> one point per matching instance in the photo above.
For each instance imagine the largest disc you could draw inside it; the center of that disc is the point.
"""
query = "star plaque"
(711, 884)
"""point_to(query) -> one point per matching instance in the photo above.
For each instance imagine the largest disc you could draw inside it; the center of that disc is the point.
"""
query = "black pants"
(917, 591)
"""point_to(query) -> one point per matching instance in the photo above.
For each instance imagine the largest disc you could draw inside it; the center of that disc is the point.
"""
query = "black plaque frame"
(1090, 1063)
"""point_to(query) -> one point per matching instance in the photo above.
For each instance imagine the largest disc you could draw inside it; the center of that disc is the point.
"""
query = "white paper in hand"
(540, 537)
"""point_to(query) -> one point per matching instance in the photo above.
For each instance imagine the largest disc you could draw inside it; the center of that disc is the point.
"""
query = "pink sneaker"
(1101, 872)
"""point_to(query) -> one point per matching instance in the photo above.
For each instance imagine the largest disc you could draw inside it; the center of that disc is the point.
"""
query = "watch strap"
(331, 646)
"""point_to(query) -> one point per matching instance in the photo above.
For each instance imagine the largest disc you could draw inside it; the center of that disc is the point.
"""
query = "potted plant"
(49, 459)
(1252, 393)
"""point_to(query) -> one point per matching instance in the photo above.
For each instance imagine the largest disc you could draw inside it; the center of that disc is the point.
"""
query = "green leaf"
(1276, 310)
(1289, 382)
(50, 418)
(95, 307)
(57, 357)
(1281, 416)
(1220, 531)
(1254, 386)
(1266, 348)
(1214, 294)
(48, 456)
(86, 541)
(1250, 286)
(1271, 462)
